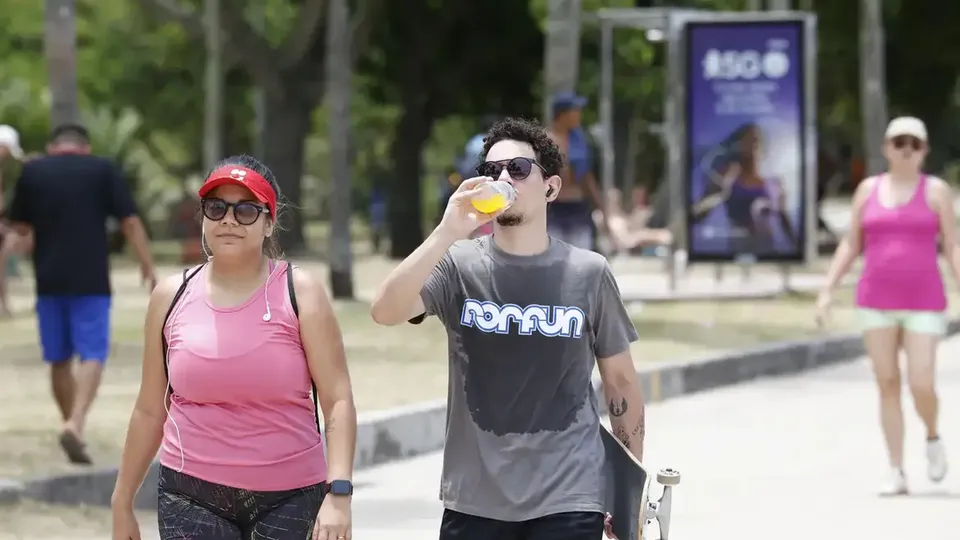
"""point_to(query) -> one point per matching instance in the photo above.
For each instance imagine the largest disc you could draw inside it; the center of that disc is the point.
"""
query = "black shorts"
(564, 526)
(193, 508)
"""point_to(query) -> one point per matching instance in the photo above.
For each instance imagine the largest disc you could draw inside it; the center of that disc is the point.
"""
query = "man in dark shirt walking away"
(527, 318)
(65, 198)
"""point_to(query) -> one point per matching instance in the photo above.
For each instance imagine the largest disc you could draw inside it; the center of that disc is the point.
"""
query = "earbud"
(549, 192)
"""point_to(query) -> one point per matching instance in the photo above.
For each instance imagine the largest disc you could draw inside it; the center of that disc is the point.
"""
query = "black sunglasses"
(901, 141)
(245, 212)
(518, 168)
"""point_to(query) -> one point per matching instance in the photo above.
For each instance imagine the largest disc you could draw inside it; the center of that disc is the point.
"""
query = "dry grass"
(34, 521)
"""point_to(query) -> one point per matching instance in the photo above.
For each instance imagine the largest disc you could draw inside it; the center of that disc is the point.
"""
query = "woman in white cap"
(10, 150)
(896, 220)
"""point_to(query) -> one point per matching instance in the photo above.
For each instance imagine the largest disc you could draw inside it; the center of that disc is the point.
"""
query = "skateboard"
(628, 488)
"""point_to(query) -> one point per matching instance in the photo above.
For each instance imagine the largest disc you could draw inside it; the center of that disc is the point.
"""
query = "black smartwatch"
(341, 487)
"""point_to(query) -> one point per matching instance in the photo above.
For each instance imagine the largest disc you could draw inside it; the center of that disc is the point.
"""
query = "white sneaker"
(936, 460)
(896, 484)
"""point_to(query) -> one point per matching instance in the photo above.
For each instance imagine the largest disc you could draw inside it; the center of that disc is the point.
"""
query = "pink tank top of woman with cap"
(900, 270)
(241, 412)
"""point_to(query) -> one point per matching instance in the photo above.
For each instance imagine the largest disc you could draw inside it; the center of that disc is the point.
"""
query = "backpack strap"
(187, 276)
(296, 311)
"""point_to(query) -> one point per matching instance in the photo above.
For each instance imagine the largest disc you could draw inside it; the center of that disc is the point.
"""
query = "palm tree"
(60, 48)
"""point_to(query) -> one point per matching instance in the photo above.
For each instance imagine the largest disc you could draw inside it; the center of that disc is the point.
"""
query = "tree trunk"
(562, 49)
(213, 86)
(60, 48)
(404, 193)
(286, 126)
(873, 88)
(338, 107)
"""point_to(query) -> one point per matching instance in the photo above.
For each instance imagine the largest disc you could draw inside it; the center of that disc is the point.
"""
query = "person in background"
(569, 216)
(237, 353)
(64, 199)
(896, 220)
(11, 154)
(624, 234)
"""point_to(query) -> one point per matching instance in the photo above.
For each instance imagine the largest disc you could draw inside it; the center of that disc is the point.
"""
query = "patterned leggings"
(193, 509)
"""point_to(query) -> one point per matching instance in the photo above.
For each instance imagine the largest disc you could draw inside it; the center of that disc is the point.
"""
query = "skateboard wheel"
(668, 477)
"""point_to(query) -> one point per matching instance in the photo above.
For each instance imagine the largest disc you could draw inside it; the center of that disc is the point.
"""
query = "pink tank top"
(240, 396)
(900, 270)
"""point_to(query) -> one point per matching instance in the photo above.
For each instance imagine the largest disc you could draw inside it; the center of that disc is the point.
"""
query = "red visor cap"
(242, 176)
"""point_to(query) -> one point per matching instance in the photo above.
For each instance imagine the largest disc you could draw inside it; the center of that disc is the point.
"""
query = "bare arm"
(398, 299)
(624, 398)
(323, 345)
(942, 198)
(145, 430)
(613, 333)
(593, 191)
(135, 233)
(851, 245)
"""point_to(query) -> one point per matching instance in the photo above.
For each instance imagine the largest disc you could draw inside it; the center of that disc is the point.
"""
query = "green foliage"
(140, 79)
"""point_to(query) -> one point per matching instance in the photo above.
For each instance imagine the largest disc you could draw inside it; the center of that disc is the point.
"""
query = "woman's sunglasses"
(246, 213)
(518, 168)
(902, 141)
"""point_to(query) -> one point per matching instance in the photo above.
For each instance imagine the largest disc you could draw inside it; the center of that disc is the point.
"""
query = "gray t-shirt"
(524, 333)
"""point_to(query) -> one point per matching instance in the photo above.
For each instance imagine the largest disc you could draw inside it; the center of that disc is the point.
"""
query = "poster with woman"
(746, 193)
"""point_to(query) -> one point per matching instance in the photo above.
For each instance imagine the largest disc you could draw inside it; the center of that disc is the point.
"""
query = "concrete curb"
(419, 429)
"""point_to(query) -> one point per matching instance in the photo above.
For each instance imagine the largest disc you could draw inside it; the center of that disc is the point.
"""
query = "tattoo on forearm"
(621, 434)
(617, 409)
(640, 430)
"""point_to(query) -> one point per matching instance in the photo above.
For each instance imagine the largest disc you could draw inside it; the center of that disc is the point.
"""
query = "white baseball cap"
(907, 125)
(10, 138)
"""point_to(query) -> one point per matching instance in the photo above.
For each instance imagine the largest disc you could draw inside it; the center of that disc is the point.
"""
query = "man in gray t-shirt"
(527, 318)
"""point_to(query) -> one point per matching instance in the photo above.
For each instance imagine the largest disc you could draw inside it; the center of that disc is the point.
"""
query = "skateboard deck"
(628, 487)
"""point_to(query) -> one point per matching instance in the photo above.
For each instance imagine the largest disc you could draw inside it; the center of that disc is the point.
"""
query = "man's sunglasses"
(518, 168)
(246, 213)
(902, 141)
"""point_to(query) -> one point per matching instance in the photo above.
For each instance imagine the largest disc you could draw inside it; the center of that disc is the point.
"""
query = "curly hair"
(530, 132)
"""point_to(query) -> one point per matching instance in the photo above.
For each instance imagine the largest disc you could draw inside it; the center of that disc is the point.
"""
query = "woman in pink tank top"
(234, 352)
(896, 221)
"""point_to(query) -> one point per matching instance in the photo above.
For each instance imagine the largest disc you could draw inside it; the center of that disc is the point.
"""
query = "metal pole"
(606, 103)
(811, 139)
(213, 86)
(673, 123)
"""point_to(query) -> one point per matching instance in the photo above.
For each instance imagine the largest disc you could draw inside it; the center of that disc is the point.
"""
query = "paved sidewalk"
(791, 459)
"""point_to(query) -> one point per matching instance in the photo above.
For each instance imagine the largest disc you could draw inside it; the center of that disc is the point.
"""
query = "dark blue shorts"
(74, 326)
(571, 222)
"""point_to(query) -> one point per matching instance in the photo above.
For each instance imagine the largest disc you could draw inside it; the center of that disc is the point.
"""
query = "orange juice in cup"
(493, 197)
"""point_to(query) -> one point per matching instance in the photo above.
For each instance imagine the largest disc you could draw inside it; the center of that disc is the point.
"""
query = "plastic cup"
(494, 196)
